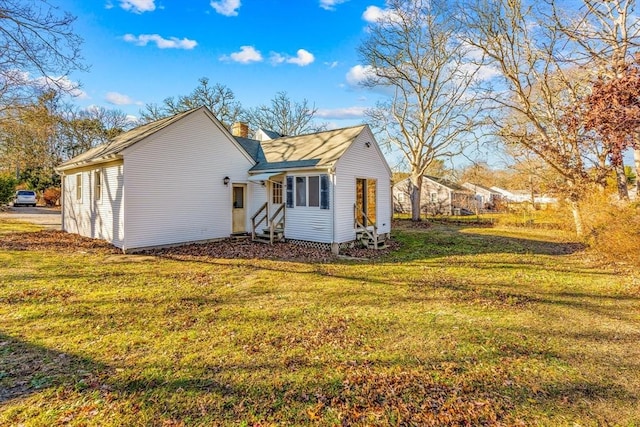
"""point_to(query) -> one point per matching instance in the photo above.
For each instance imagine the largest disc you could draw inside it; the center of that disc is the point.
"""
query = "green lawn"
(459, 326)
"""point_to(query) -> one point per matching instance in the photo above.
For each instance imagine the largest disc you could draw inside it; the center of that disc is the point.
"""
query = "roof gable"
(115, 147)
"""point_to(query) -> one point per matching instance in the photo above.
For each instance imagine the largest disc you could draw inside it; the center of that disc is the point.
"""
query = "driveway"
(47, 217)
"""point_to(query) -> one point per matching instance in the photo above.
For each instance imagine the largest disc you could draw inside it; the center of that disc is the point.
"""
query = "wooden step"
(266, 238)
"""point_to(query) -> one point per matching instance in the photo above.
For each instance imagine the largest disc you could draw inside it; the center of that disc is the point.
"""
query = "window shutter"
(289, 191)
(324, 191)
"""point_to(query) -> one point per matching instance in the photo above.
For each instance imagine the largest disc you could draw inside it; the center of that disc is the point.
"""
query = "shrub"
(7, 189)
(51, 196)
(616, 235)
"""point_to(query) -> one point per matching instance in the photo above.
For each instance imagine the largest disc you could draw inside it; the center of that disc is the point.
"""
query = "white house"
(486, 198)
(438, 196)
(186, 178)
(522, 196)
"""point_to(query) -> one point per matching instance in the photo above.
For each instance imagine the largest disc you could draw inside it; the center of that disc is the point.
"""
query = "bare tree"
(82, 129)
(414, 51)
(38, 50)
(284, 116)
(604, 36)
(537, 92)
(27, 139)
(218, 98)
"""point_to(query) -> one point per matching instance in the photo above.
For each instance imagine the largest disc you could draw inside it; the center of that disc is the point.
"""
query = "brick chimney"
(240, 129)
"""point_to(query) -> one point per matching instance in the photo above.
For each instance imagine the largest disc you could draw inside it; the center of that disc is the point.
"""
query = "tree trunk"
(621, 182)
(577, 217)
(636, 159)
(416, 190)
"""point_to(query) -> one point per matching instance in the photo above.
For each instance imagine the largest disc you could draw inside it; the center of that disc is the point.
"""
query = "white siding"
(90, 217)
(360, 161)
(256, 197)
(402, 197)
(174, 184)
(309, 223)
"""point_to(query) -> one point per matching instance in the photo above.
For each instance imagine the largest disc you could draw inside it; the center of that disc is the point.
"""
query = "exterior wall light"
(226, 180)
(367, 144)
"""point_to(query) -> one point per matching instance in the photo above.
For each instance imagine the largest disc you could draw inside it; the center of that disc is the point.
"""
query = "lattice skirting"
(323, 246)
(307, 244)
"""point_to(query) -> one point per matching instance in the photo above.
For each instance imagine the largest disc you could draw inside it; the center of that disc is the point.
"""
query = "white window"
(433, 197)
(97, 184)
(301, 191)
(309, 191)
(314, 191)
(79, 187)
(276, 193)
(401, 198)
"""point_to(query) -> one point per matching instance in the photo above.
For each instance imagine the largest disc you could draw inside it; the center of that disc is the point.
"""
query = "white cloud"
(64, 83)
(331, 4)
(116, 98)
(138, 6)
(476, 65)
(275, 58)
(341, 113)
(226, 7)
(359, 74)
(161, 42)
(302, 58)
(333, 64)
(246, 55)
(375, 14)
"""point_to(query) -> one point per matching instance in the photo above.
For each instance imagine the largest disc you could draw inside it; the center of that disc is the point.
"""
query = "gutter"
(61, 169)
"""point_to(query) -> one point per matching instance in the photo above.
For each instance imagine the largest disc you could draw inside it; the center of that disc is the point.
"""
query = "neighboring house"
(186, 178)
(486, 198)
(439, 196)
(525, 196)
(505, 194)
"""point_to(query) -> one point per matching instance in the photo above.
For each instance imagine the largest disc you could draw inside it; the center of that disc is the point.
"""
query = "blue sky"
(142, 51)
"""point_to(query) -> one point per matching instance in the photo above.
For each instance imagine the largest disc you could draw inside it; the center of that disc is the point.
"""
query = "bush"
(616, 237)
(51, 196)
(7, 189)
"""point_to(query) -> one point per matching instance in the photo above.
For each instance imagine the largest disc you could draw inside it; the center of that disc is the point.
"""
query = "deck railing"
(263, 215)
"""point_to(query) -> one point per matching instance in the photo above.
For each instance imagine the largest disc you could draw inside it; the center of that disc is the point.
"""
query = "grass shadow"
(27, 368)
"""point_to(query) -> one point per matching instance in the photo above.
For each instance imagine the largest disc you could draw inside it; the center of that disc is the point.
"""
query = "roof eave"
(63, 168)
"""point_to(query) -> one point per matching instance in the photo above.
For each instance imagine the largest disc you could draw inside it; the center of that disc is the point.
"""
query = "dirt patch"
(54, 240)
(59, 241)
(246, 249)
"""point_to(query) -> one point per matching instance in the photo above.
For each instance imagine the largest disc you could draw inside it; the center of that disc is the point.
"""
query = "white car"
(25, 198)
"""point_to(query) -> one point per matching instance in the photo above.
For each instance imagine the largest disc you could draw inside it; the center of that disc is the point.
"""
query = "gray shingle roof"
(449, 184)
(320, 149)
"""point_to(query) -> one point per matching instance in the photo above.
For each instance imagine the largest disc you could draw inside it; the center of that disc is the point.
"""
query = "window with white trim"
(276, 193)
(97, 185)
(301, 191)
(79, 187)
(308, 191)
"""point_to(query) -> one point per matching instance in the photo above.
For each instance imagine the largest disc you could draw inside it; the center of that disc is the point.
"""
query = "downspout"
(62, 204)
(335, 247)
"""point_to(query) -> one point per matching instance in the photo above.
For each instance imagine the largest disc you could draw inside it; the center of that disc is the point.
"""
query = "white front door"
(239, 214)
